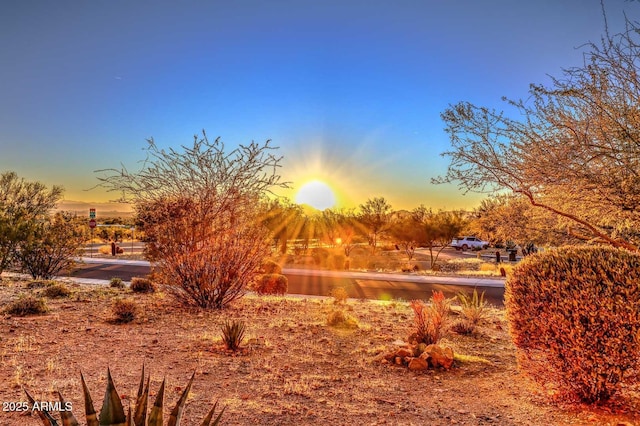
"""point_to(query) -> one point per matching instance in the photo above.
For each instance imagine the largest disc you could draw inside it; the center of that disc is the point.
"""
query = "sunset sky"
(351, 91)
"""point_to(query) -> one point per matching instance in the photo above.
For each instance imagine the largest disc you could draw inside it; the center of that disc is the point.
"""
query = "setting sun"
(316, 194)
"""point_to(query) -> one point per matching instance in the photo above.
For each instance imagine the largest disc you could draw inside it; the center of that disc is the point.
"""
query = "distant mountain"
(81, 208)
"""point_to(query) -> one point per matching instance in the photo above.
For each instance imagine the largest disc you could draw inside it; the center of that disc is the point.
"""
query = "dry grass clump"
(116, 282)
(39, 284)
(340, 319)
(339, 295)
(27, 305)
(124, 310)
(56, 290)
(142, 285)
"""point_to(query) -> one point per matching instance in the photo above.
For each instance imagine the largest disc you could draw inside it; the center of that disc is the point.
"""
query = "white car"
(466, 243)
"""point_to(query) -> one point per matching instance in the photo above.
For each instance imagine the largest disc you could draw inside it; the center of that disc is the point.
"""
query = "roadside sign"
(92, 213)
(92, 223)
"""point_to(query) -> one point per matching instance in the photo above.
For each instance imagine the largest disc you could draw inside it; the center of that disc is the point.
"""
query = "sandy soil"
(295, 369)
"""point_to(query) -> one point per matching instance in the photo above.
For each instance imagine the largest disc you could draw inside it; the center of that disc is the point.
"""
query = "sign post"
(92, 225)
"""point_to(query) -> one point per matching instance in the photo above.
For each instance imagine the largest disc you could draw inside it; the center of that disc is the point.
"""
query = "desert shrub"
(272, 284)
(574, 317)
(52, 246)
(104, 250)
(474, 307)
(56, 290)
(339, 295)
(232, 334)
(270, 267)
(116, 282)
(339, 318)
(142, 285)
(27, 305)
(124, 310)
(430, 320)
(199, 207)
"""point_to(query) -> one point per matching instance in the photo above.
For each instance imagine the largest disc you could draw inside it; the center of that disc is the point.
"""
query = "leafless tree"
(574, 149)
(199, 208)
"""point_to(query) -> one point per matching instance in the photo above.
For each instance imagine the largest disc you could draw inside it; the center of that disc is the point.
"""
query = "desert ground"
(293, 367)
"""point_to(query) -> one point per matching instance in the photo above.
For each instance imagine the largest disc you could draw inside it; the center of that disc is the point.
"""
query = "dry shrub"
(56, 290)
(272, 284)
(339, 318)
(463, 326)
(574, 316)
(104, 250)
(339, 295)
(270, 267)
(430, 320)
(124, 310)
(142, 285)
(27, 305)
(116, 282)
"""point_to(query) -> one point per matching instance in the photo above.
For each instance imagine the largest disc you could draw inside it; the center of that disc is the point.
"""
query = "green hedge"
(574, 317)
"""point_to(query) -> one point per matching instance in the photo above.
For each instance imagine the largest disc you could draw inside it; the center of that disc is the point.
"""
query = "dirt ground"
(295, 369)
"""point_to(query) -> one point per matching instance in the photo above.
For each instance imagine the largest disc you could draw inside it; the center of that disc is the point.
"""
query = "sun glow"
(316, 194)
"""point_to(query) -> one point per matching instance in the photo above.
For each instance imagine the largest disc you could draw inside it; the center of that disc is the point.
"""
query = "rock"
(438, 357)
(398, 360)
(419, 349)
(418, 364)
(404, 352)
(390, 357)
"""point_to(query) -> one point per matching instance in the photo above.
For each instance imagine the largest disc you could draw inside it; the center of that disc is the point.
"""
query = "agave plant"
(112, 412)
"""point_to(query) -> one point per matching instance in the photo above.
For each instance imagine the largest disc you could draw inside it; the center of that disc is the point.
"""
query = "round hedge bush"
(272, 284)
(270, 267)
(574, 316)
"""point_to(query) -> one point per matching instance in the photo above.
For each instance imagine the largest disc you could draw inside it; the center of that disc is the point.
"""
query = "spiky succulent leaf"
(140, 417)
(112, 412)
(89, 411)
(67, 417)
(155, 417)
(44, 415)
(129, 417)
(176, 413)
(141, 385)
(207, 419)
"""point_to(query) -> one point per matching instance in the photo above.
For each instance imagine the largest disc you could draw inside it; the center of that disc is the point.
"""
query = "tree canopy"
(574, 149)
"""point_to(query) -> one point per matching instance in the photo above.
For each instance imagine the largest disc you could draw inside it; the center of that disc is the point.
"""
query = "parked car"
(466, 243)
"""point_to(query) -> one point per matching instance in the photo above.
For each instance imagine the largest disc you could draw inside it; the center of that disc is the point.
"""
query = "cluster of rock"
(421, 357)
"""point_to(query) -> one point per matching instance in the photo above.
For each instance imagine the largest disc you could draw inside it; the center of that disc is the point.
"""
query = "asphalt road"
(358, 285)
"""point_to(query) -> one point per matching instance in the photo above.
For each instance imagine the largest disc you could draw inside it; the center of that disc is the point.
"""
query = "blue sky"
(351, 91)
